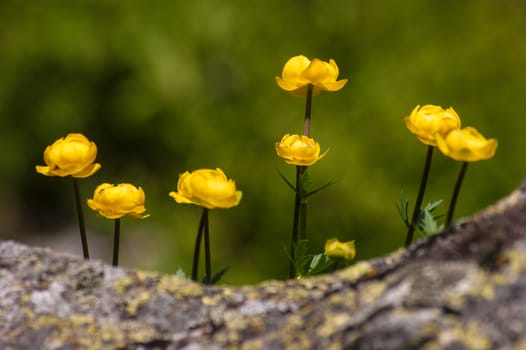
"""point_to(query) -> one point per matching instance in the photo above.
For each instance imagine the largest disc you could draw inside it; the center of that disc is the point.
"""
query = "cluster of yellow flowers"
(440, 127)
(74, 155)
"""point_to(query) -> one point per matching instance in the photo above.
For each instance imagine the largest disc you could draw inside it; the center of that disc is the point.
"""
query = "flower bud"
(340, 250)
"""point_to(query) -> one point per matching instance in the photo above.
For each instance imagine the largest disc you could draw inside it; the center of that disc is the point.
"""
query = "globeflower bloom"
(466, 145)
(299, 72)
(430, 120)
(208, 188)
(73, 155)
(299, 150)
(114, 202)
(340, 250)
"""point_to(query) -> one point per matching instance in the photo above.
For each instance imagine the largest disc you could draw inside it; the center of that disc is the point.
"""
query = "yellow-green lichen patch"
(179, 287)
(475, 284)
(468, 335)
(74, 332)
(135, 300)
(370, 292)
(342, 300)
(332, 323)
(356, 271)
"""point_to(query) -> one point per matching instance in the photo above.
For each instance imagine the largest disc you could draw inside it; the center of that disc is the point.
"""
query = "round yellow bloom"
(114, 202)
(299, 72)
(299, 150)
(73, 155)
(466, 145)
(208, 188)
(430, 120)
(340, 250)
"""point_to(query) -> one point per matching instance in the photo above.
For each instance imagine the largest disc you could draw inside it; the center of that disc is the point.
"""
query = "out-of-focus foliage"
(168, 86)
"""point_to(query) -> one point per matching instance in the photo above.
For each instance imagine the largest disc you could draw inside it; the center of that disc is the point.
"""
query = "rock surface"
(462, 289)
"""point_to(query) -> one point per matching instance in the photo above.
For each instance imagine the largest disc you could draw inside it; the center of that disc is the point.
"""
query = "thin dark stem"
(420, 197)
(82, 227)
(308, 108)
(195, 263)
(116, 239)
(295, 223)
(208, 265)
(456, 192)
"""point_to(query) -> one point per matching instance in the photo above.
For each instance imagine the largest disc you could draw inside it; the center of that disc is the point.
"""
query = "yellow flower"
(340, 250)
(208, 188)
(466, 145)
(299, 150)
(114, 202)
(73, 155)
(299, 72)
(430, 120)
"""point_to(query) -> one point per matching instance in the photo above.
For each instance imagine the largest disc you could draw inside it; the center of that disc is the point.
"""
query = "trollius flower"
(73, 155)
(428, 121)
(114, 202)
(209, 188)
(340, 250)
(299, 150)
(466, 145)
(300, 72)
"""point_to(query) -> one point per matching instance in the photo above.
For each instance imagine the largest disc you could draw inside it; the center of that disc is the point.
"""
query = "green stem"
(116, 239)
(195, 263)
(82, 227)
(456, 192)
(303, 220)
(420, 197)
(208, 264)
(308, 108)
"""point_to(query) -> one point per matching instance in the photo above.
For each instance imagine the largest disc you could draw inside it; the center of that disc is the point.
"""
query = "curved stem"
(208, 264)
(82, 227)
(195, 263)
(420, 197)
(456, 192)
(116, 239)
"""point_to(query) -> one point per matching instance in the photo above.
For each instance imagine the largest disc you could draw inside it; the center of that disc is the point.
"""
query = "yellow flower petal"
(209, 188)
(430, 120)
(299, 72)
(340, 250)
(114, 202)
(73, 155)
(466, 145)
(299, 150)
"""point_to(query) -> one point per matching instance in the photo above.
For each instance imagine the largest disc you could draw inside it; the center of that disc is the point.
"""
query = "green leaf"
(287, 181)
(215, 278)
(180, 273)
(429, 225)
(322, 187)
(301, 257)
(319, 263)
(402, 209)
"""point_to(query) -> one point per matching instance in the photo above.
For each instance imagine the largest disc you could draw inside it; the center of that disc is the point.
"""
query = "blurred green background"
(168, 86)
